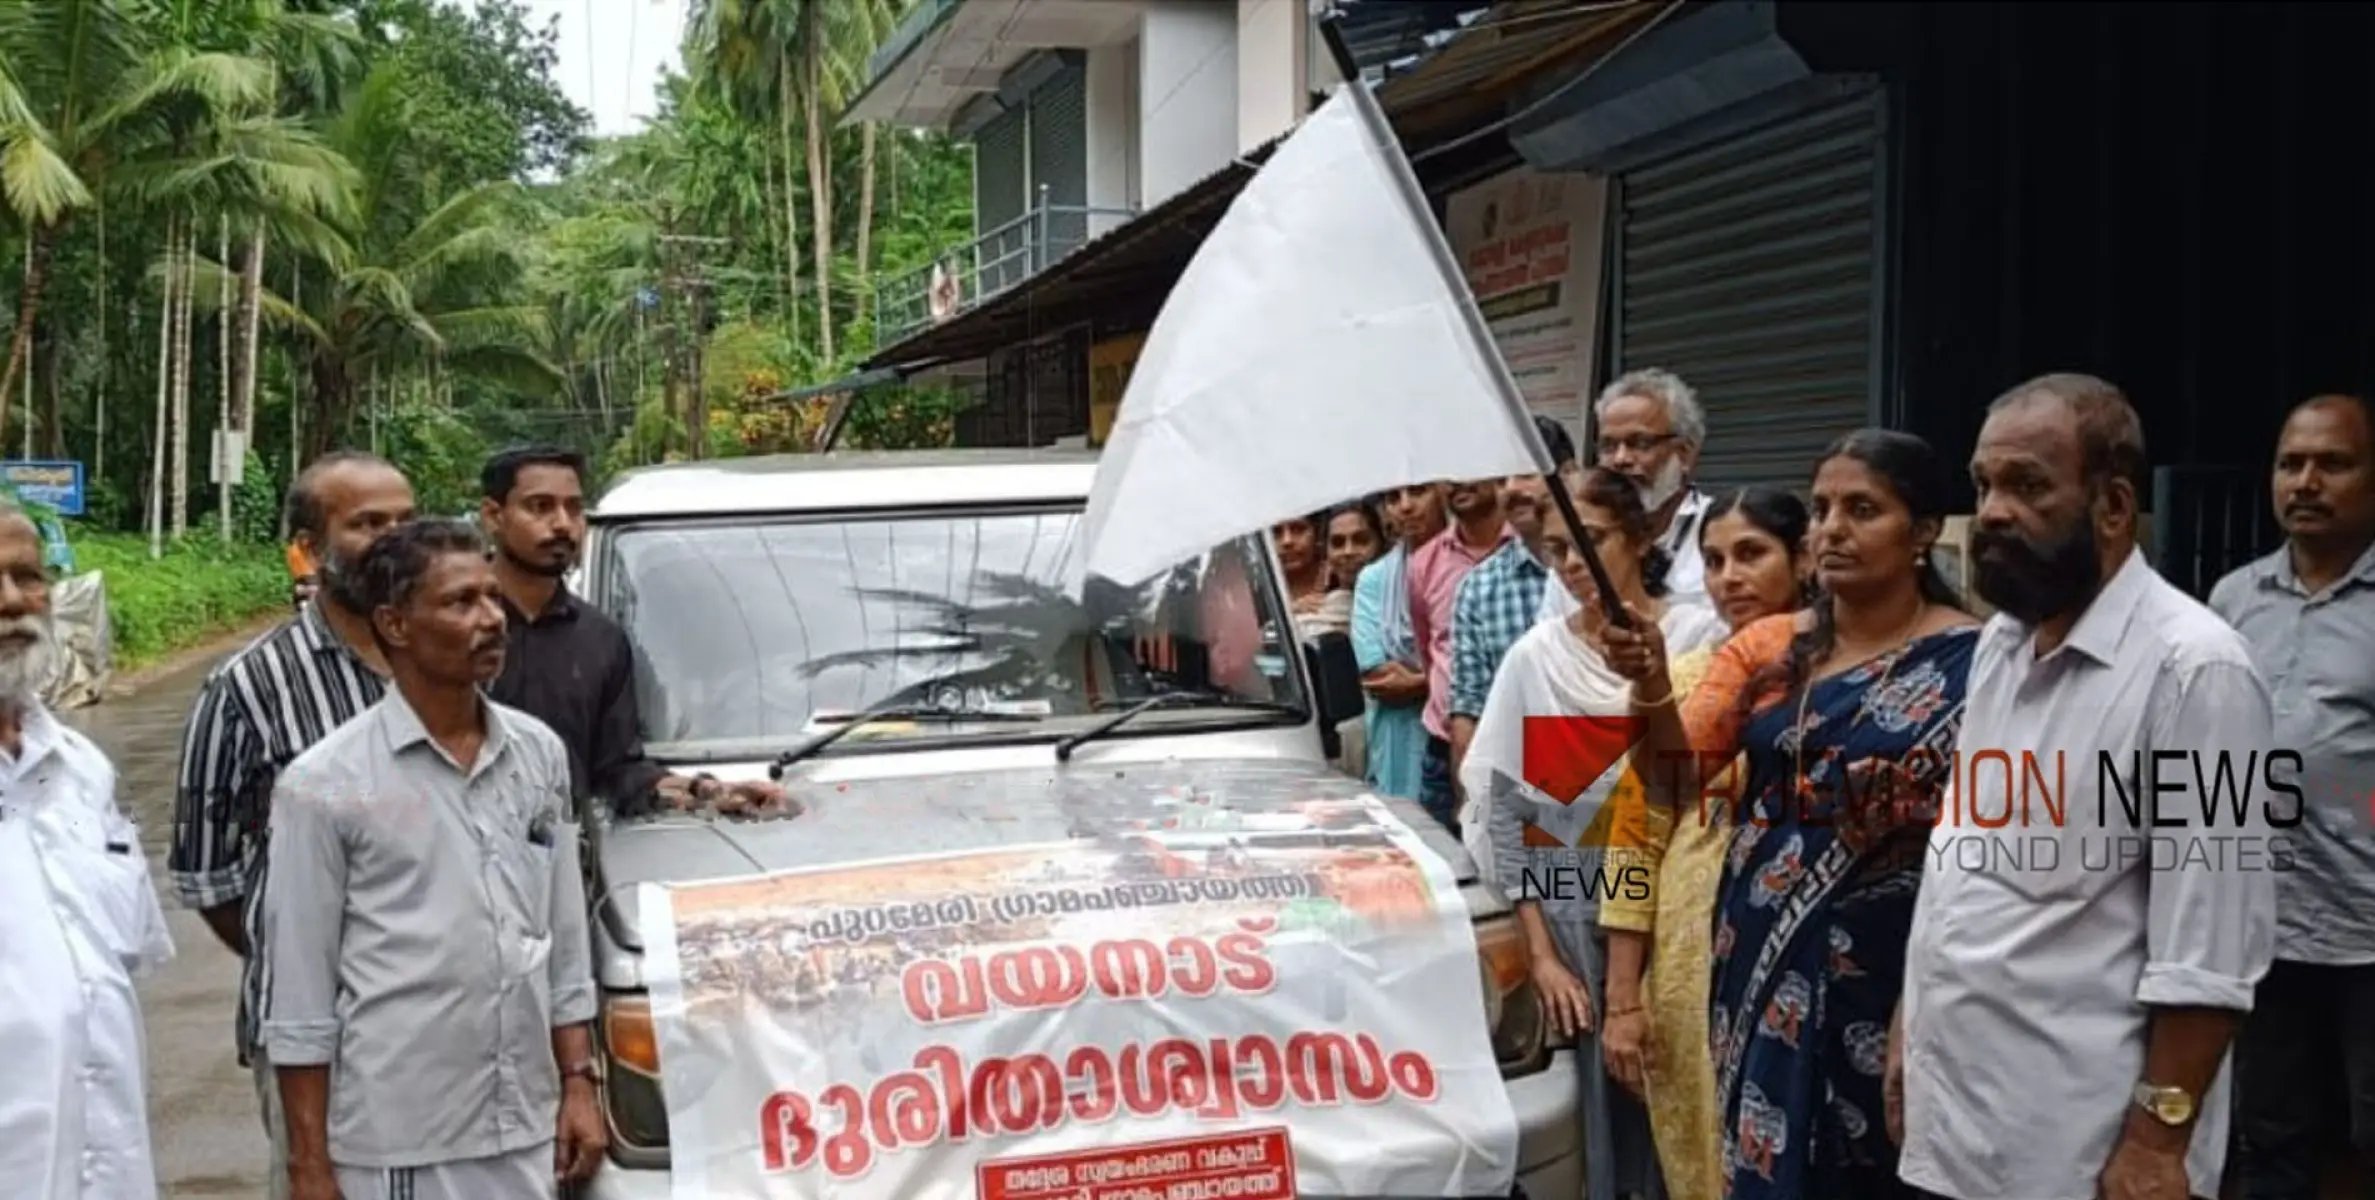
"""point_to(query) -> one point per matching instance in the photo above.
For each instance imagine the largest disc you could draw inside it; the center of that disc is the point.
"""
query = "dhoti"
(521, 1175)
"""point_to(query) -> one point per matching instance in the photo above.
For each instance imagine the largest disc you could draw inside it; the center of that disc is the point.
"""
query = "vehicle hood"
(866, 820)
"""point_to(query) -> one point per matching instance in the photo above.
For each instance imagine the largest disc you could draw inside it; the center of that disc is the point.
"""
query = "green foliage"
(440, 452)
(902, 418)
(450, 265)
(256, 503)
(479, 86)
(202, 586)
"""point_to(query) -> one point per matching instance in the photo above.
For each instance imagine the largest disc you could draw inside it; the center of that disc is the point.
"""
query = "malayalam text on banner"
(1142, 1013)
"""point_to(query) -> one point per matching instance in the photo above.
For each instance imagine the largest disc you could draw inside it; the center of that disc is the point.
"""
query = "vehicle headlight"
(1512, 1008)
(631, 1085)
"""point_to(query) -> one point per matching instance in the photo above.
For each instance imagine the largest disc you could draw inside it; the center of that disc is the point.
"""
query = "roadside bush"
(200, 588)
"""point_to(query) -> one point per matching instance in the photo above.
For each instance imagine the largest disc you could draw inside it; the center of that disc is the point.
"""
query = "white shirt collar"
(38, 734)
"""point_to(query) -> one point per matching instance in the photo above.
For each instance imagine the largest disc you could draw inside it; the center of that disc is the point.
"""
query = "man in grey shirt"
(2308, 613)
(431, 979)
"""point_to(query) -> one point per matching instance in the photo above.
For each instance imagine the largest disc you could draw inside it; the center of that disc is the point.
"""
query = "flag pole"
(1414, 200)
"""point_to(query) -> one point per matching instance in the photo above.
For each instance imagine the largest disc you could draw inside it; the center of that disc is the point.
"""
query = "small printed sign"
(57, 484)
(1253, 1164)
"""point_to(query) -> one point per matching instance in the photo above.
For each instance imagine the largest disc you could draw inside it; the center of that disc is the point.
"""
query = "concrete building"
(1085, 115)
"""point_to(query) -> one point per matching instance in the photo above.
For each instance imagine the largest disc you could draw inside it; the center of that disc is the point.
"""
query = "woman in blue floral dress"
(1847, 714)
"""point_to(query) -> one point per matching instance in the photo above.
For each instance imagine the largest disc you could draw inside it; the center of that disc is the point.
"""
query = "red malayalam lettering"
(943, 1099)
(1035, 977)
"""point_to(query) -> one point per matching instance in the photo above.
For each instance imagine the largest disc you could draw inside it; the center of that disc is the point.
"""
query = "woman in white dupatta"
(1548, 753)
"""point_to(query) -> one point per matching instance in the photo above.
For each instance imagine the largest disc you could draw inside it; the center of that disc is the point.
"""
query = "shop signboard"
(1530, 244)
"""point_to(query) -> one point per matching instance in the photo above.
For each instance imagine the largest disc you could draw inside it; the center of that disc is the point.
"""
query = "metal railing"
(961, 278)
(2208, 520)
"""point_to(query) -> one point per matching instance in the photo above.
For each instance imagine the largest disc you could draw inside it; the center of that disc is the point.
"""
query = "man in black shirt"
(567, 663)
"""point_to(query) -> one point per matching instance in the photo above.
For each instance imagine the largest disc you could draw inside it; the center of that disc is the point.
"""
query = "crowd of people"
(1754, 702)
(1819, 990)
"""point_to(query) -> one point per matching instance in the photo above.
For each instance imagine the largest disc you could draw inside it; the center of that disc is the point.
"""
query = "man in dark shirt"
(568, 664)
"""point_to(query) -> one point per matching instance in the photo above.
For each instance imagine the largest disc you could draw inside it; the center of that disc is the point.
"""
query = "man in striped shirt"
(262, 708)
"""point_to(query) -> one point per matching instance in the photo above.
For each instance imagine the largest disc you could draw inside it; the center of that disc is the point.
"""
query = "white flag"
(1321, 346)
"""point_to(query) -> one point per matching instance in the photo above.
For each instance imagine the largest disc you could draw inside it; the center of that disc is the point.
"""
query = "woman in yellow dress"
(1654, 1037)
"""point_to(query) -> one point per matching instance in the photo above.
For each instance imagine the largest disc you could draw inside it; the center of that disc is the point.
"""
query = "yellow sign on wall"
(1110, 362)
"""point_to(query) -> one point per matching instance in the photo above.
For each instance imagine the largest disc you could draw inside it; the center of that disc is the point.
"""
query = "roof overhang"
(1474, 81)
(949, 53)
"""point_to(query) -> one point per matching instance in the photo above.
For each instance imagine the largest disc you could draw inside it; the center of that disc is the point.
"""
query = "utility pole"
(684, 281)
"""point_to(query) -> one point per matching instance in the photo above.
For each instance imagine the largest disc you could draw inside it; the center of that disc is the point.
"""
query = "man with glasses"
(1650, 431)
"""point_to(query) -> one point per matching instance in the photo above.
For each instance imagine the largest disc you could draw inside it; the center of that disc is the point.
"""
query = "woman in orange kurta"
(1655, 1038)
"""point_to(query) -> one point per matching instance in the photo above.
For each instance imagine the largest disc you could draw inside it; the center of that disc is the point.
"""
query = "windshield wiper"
(896, 712)
(1201, 699)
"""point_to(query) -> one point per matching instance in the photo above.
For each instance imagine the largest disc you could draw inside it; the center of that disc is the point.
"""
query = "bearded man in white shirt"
(1651, 428)
(2072, 985)
(78, 919)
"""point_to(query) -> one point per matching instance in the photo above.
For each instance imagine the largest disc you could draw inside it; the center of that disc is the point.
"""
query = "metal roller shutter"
(1000, 184)
(1750, 267)
(1060, 161)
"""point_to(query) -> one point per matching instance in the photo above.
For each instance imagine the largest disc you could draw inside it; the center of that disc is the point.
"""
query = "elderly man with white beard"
(78, 920)
(1650, 431)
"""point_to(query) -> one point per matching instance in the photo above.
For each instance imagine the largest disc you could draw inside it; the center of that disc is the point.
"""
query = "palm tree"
(76, 87)
(410, 291)
(809, 56)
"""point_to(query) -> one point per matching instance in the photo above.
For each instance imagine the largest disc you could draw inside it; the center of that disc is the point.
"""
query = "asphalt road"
(202, 1105)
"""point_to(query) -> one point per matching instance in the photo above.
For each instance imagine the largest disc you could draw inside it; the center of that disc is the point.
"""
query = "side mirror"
(1335, 679)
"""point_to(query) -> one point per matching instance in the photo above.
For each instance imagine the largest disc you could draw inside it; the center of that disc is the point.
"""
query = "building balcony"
(964, 276)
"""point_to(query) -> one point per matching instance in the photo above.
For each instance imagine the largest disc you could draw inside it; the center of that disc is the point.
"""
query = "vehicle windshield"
(759, 634)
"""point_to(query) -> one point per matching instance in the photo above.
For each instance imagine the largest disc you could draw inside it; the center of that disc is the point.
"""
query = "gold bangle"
(1660, 702)
(1626, 1011)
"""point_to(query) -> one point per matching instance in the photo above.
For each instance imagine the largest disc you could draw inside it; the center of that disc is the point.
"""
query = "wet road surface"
(202, 1105)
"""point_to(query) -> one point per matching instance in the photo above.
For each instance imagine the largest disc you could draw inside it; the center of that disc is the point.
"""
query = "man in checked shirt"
(263, 707)
(1497, 602)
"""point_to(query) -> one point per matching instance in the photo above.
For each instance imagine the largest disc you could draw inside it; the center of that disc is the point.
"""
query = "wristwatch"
(2171, 1106)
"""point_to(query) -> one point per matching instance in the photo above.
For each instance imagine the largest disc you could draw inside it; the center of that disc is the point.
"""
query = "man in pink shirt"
(1436, 568)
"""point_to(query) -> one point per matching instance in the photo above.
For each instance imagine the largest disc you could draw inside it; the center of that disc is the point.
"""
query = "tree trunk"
(107, 370)
(865, 204)
(32, 367)
(333, 403)
(251, 324)
(602, 392)
(791, 201)
(222, 376)
(53, 424)
(297, 455)
(28, 310)
(820, 183)
(159, 432)
(179, 480)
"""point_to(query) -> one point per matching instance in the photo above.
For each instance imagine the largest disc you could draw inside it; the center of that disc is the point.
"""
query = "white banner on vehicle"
(1143, 1014)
